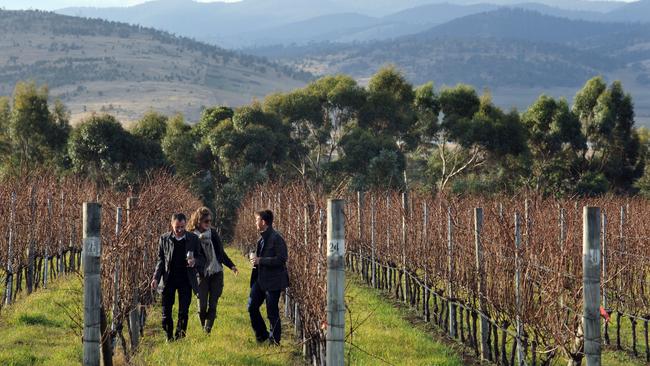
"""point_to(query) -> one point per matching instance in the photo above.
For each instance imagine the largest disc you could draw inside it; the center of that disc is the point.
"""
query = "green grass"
(231, 342)
(384, 335)
(380, 333)
(610, 356)
(39, 330)
(625, 357)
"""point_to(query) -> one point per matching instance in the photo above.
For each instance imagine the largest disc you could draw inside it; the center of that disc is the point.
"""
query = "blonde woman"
(211, 278)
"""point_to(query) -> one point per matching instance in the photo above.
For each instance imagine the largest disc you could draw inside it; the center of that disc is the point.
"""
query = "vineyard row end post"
(405, 208)
(373, 241)
(335, 283)
(321, 213)
(480, 275)
(31, 255)
(450, 275)
(134, 314)
(591, 284)
(425, 235)
(116, 274)
(46, 267)
(10, 251)
(521, 358)
(604, 255)
(92, 291)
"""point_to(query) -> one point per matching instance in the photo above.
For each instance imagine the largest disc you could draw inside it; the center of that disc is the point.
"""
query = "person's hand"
(235, 271)
(191, 262)
(255, 261)
(154, 284)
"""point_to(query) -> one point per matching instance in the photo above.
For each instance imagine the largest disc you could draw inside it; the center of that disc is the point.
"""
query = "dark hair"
(179, 216)
(266, 215)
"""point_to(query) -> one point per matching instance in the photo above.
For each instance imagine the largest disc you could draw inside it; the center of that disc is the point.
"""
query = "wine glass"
(190, 256)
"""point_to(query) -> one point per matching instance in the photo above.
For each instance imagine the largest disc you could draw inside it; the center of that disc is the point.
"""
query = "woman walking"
(211, 279)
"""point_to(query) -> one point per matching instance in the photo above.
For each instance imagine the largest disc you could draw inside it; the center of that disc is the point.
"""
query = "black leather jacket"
(165, 251)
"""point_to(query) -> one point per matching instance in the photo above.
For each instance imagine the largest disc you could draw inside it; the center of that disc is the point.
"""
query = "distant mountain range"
(507, 46)
(97, 65)
(508, 49)
(516, 48)
(258, 23)
(632, 12)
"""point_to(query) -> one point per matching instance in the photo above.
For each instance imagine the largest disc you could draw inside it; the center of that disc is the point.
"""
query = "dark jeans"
(210, 289)
(255, 300)
(182, 286)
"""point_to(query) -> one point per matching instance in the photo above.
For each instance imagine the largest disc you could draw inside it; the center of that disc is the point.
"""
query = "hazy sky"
(58, 4)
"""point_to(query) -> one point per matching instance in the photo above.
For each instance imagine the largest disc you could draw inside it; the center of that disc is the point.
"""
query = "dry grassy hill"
(96, 65)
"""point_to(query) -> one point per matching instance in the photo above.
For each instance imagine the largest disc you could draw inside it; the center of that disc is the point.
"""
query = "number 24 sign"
(336, 247)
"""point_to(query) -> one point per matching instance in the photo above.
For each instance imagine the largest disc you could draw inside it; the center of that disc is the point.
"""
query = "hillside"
(517, 53)
(99, 65)
(260, 23)
(320, 28)
(638, 11)
(488, 62)
(515, 23)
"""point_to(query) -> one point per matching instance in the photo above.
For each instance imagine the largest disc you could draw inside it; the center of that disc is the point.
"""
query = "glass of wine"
(190, 256)
(252, 255)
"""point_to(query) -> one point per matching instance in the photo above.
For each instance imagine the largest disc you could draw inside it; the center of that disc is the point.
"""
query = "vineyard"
(42, 229)
(503, 276)
(461, 262)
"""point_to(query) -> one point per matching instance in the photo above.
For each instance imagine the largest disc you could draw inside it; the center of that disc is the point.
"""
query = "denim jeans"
(272, 298)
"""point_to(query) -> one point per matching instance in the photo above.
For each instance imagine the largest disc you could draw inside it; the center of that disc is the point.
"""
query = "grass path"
(231, 341)
(39, 329)
(383, 335)
(44, 329)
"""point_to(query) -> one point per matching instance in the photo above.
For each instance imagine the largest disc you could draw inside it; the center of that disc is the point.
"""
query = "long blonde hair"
(197, 216)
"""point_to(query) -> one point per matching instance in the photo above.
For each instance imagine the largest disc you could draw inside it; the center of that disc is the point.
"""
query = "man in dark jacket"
(268, 279)
(180, 257)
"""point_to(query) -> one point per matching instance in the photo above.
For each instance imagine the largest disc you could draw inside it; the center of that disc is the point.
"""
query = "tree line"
(335, 134)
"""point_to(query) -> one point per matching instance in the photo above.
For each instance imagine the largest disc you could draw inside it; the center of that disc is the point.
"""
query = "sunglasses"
(206, 221)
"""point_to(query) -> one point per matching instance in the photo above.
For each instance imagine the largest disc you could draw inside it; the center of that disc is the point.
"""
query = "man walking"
(180, 257)
(268, 279)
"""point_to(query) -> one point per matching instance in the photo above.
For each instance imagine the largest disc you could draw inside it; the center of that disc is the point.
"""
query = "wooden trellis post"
(61, 258)
(373, 244)
(10, 250)
(480, 274)
(604, 254)
(46, 266)
(134, 314)
(92, 250)
(31, 251)
(425, 235)
(591, 284)
(116, 274)
(335, 283)
(450, 274)
(321, 213)
(521, 358)
(405, 209)
(360, 203)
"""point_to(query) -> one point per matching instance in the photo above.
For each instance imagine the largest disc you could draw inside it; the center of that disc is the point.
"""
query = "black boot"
(208, 325)
(202, 317)
(169, 331)
(181, 329)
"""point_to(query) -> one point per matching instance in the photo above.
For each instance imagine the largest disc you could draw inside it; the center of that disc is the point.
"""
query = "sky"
(58, 4)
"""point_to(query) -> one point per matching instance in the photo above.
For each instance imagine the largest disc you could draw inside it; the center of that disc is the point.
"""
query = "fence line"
(422, 250)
